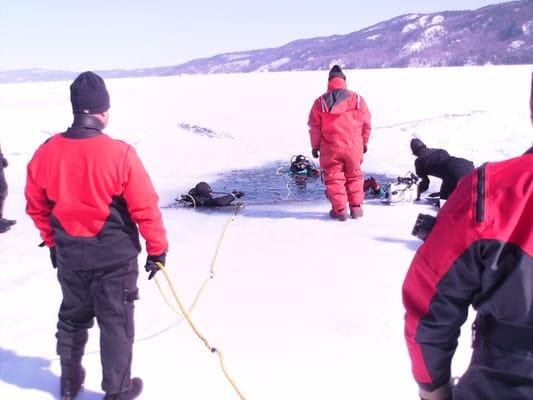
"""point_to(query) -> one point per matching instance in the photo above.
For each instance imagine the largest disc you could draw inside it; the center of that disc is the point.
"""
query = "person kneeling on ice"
(437, 162)
(202, 196)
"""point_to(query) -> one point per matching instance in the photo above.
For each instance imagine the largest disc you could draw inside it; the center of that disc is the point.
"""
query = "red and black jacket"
(87, 193)
(479, 253)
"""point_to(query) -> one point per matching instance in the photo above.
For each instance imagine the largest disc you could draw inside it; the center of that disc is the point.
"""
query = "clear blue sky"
(79, 35)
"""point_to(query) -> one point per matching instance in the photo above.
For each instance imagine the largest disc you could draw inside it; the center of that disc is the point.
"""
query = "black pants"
(108, 295)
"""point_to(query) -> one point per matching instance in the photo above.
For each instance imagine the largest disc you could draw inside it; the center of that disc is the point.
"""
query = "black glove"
(365, 148)
(53, 257)
(315, 152)
(151, 266)
(237, 193)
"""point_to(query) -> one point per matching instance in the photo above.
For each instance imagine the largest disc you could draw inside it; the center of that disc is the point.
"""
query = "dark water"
(270, 184)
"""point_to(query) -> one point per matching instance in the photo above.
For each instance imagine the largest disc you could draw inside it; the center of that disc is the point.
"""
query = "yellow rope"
(212, 269)
(198, 333)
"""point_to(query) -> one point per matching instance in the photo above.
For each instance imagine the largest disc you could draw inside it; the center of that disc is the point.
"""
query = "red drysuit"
(339, 125)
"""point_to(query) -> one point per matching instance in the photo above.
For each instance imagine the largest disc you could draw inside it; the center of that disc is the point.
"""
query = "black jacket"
(438, 163)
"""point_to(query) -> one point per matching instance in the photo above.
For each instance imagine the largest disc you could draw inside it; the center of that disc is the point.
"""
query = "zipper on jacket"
(480, 203)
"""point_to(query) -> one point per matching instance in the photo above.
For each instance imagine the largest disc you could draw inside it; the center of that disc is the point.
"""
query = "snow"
(409, 28)
(437, 19)
(273, 65)
(428, 38)
(515, 44)
(229, 66)
(373, 37)
(527, 27)
(433, 32)
(233, 57)
(424, 20)
(302, 307)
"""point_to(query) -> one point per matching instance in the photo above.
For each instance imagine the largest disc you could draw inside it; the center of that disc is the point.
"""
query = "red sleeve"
(142, 202)
(38, 206)
(436, 308)
(315, 124)
(367, 127)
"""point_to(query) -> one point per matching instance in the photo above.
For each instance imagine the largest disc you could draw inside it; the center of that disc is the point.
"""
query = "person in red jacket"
(479, 253)
(89, 195)
(339, 126)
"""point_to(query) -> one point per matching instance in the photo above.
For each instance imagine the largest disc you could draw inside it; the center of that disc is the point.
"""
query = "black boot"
(4, 226)
(10, 222)
(71, 382)
(136, 389)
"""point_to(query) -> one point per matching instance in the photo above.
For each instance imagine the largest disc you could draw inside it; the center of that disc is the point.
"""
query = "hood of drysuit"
(336, 83)
(339, 100)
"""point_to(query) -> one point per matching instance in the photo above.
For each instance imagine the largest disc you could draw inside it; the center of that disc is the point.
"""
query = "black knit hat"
(417, 146)
(336, 72)
(88, 94)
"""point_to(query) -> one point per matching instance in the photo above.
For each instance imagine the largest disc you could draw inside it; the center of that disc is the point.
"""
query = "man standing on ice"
(339, 126)
(89, 195)
(480, 254)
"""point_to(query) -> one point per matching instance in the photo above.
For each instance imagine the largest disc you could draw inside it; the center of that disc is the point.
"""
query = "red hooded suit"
(339, 125)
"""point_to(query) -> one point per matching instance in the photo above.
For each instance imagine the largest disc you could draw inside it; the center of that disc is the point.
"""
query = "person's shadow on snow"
(411, 244)
(34, 373)
(285, 213)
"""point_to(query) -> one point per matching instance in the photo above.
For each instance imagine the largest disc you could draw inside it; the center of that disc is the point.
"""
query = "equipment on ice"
(404, 189)
(423, 225)
(371, 187)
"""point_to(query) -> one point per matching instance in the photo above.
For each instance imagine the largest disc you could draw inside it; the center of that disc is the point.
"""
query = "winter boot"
(338, 216)
(4, 226)
(9, 222)
(136, 389)
(356, 212)
(71, 382)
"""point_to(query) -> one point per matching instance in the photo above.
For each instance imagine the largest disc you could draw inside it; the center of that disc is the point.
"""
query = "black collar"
(84, 126)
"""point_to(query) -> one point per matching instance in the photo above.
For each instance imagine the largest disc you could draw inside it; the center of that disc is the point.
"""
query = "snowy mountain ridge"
(499, 34)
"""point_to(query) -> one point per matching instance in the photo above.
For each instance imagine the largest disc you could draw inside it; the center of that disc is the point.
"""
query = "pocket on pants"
(130, 293)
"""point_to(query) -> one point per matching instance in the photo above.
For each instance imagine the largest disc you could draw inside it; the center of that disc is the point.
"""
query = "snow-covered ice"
(303, 307)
